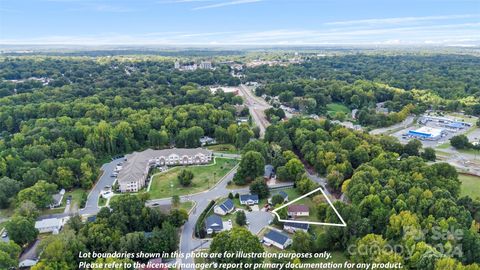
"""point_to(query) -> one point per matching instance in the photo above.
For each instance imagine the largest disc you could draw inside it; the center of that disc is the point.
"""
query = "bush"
(241, 218)
(83, 201)
(199, 226)
(230, 196)
(185, 177)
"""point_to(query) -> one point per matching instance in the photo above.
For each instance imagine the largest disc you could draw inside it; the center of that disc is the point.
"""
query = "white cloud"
(227, 3)
(400, 20)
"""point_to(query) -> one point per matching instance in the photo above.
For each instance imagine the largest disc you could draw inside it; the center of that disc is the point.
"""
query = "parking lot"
(447, 133)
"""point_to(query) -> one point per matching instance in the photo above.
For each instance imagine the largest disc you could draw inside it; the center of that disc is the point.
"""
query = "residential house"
(225, 208)
(29, 256)
(213, 224)
(50, 225)
(298, 210)
(249, 199)
(205, 140)
(268, 172)
(277, 239)
(57, 199)
(293, 227)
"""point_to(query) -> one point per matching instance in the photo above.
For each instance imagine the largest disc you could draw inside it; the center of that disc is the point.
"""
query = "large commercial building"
(133, 175)
(427, 133)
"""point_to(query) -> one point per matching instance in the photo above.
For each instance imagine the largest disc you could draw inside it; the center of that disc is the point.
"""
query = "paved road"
(257, 107)
(404, 124)
(188, 242)
(323, 182)
(91, 207)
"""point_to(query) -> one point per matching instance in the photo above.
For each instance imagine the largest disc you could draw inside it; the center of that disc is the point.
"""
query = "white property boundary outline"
(311, 222)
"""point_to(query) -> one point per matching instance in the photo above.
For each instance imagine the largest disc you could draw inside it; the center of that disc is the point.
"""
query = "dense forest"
(62, 117)
(450, 76)
(398, 207)
(96, 108)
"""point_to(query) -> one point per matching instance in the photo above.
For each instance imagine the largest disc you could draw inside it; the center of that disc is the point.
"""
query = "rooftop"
(137, 162)
(246, 197)
(298, 208)
(277, 237)
(227, 205)
(214, 221)
(304, 226)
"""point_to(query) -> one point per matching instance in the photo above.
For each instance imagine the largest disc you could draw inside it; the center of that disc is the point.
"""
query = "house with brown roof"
(298, 210)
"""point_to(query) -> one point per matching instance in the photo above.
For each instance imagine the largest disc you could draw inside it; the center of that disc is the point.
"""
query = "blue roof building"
(268, 172)
(277, 239)
(225, 208)
(213, 224)
(292, 227)
(249, 199)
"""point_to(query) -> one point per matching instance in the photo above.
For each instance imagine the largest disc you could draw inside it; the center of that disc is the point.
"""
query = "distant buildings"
(205, 65)
(205, 140)
(194, 66)
(132, 176)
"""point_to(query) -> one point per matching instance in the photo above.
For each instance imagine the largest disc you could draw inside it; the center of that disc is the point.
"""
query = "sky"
(240, 22)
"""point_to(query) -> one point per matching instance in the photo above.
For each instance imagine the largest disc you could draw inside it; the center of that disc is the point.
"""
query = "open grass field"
(166, 184)
(224, 148)
(333, 108)
(470, 185)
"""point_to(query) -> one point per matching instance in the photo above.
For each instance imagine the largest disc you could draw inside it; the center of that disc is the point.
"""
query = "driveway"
(91, 207)
(258, 220)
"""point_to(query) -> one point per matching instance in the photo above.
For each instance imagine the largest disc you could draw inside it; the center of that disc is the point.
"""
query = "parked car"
(4, 234)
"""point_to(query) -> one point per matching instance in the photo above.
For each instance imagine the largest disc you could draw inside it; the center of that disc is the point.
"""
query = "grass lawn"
(76, 197)
(333, 108)
(186, 206)
(293, 194)
(203, 179)
(470, 185)
(49, 211)
(102, 201)
(224, 148)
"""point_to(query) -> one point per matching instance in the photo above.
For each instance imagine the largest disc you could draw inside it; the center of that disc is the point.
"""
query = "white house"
(277, 239)
(213, 224)
(249, 199)
(51, 225)
(225, 208)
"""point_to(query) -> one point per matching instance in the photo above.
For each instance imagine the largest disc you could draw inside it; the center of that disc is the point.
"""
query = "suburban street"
(91, 207)
(404, 124)
(188, 243)
(257, 106)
